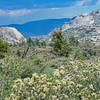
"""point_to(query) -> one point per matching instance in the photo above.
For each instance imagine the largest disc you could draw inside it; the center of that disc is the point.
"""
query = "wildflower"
(14, 87)
(7, 99)
(43, 77)
(49, 83)
(69, 87)
(54, 97)
(35, 94)
(91, 87)
(79, 86)
(58, 87)
(45, 89)
(79, 94)
(30, 83)
(94, 94)
(42, 95)
(55, 88)
(22, 84)
(57, 73)
(62, 72)
(26, 80)
(33, 98)
(18, 81)
(65, 96)
(57, 82)
(29, 98)
(68, 79)
(33, 88)
(84, 98)
(64, 82)
(62, 67)
(71, 83)
(35, 75)
(85, 89)
(12, 95)
(71, 62)
(41, 81)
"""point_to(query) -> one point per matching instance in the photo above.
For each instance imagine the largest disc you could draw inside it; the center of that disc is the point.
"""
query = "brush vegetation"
(65, 69)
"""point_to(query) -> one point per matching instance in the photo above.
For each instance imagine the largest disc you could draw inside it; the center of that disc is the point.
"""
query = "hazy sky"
(21, 11)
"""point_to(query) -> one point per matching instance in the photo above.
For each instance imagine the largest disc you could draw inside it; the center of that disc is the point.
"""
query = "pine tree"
(60, 44)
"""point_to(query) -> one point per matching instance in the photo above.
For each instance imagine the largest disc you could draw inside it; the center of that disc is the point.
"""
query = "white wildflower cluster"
(79, 84)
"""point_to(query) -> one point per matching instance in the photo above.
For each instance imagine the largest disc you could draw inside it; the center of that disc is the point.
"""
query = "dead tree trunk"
(25, 53)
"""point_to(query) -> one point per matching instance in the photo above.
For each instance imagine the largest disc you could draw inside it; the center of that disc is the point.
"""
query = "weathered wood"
(25, 53)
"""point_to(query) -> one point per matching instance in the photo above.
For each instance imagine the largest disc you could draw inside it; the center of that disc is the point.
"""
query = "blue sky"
(21, 11)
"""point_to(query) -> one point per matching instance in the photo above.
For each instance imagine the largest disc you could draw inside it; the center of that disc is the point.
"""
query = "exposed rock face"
(11, 35)
(83, 19)
(84, 26)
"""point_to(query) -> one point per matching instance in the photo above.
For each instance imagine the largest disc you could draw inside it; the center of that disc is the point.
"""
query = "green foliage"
(73, 41)
(30, 42)
(88, 49)
(45, 76)
(19, 53)
(37, 42)
(40, 44)
(37, 61)
(78, 80)
(60, 44)
(43, 44)
(26, 73)
(48, 70)
(4, 49)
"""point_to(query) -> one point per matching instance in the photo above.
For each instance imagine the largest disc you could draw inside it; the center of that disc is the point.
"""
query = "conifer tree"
(60, 44)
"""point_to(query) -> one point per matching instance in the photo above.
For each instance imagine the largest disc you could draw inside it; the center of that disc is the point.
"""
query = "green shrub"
(78, 80)
(60, 44)
(4, 49)
(43, 44)
(37, 62)
(30, 42)
(19, 53)
(26, 73)
(73, 41)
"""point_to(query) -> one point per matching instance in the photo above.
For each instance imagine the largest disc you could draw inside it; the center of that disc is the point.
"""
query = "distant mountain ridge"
(37, 28)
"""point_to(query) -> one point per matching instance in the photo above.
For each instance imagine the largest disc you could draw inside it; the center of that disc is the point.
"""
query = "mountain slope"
(42, 27)
(83, 26)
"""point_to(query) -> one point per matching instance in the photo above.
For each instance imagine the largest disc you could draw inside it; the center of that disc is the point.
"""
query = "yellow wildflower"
(42, 95)
(18, 81)
(91, 87)
(79, 86)
(55, 88)
(45, 89)
(54, 97)
(62, 72)
(7, 99)
(57, 73)
(14, 87)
